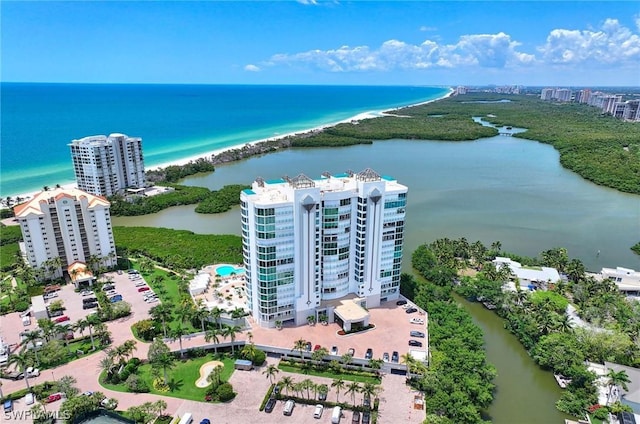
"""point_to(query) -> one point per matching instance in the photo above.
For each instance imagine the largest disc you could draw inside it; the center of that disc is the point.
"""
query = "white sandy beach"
(183, 161)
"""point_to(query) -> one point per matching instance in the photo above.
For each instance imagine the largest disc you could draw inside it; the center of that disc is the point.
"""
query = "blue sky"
(317, 42)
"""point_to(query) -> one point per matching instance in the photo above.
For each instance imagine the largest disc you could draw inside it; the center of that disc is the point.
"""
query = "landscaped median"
(181, 382)
(329, 370)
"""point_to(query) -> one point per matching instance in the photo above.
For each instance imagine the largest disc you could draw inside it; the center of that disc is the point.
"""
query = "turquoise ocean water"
(174, 121)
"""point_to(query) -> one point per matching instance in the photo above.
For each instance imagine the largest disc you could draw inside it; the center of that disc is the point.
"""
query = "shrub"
(136, 384)
(266, 397)
(22, 306)
(258, 358)
(225, 392)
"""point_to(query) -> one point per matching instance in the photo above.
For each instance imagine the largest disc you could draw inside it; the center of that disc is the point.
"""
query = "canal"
(525, 393)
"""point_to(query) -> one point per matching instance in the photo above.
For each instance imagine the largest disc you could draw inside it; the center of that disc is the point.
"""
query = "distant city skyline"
(545, 43)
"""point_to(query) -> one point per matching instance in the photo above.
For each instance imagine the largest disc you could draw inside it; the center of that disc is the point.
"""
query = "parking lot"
(391, 333)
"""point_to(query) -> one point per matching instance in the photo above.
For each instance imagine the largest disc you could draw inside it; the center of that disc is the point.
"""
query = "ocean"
(39, 120)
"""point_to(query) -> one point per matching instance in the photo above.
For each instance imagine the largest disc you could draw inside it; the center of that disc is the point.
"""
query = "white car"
(29, 399)
(33, 372)
(86, 292)
(152, 300)
(416, 321)
(317, 413)
(140, 284)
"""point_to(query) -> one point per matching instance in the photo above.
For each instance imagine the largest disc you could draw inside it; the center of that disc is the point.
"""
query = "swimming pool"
(226, 270)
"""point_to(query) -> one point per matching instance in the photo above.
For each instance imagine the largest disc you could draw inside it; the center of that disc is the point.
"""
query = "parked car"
(416, 321)
(334, 350)
(366, 401)
(152, 300)
(14, 375)
(271, 403)
(385, 357)
(368, 354)
(56, 313)
(317, 413)
(401, 302)
(69, 335)
(86, 292)
(322, 396)
(140, 283)
(8, 405)
(116, 298)
(144, 289)
(419, 334)
(119, 272)
(89, 300)
(415, 343)
(32, 372)
(205, 421)
(351, 351)
(366, 417)
(49, 295)
(288, 407)
(89, 305)
(411, 310)
(308, 347)
(356, 418)
(54, 397)
(63, 318)
(29, 399)
(395, 357)
(316, 347)
(108, 287)
(87, 393)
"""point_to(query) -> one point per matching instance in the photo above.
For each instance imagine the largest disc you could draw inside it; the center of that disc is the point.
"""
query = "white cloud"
(612, 44)
(425, 28)
(252, 68)
(486, 50)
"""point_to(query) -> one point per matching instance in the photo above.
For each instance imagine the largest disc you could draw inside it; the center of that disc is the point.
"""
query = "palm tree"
(353, 388)
(308, 385)
(231, 331)
(339, 384)
(47, 327)
(300, 345)
(212, 334)
(346, 359)
(32, 337)
(129, 346)
(215, 314)
(108, 364)
(376, 364)
(64, 330)
(92, 320)
(287, 383)
(164, 361)
(409, 361)
(271, 372)
(617, 379)
(319, 354)
(369, 389)
(162, 313)
(176, 333)
(201, 313)
(22, 361)
(215, 375)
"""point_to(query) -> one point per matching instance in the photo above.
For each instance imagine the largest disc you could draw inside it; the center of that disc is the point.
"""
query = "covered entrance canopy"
(80, 274)
(350, 312)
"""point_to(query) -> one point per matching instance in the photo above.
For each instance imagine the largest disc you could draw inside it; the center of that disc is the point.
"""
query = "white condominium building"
(310, 244)
(105, 166)
(62, 226)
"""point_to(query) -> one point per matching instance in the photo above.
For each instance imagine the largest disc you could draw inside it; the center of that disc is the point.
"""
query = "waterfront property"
(307, 243)
(105, 166)
(529, 277)
(219, 286)
(627, 280)
(63, 226)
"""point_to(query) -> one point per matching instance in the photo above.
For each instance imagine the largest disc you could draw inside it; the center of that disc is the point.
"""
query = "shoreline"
(210, 155)
(359, 117)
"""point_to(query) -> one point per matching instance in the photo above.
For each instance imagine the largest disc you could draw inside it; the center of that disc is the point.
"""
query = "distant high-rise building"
(63, 226)
(631, 110)
(323, 247)
(105, 166)
(547, 94)
(563, 95)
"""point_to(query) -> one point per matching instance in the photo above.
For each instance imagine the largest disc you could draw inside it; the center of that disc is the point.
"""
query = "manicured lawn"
(182, 378)
(330, 374)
